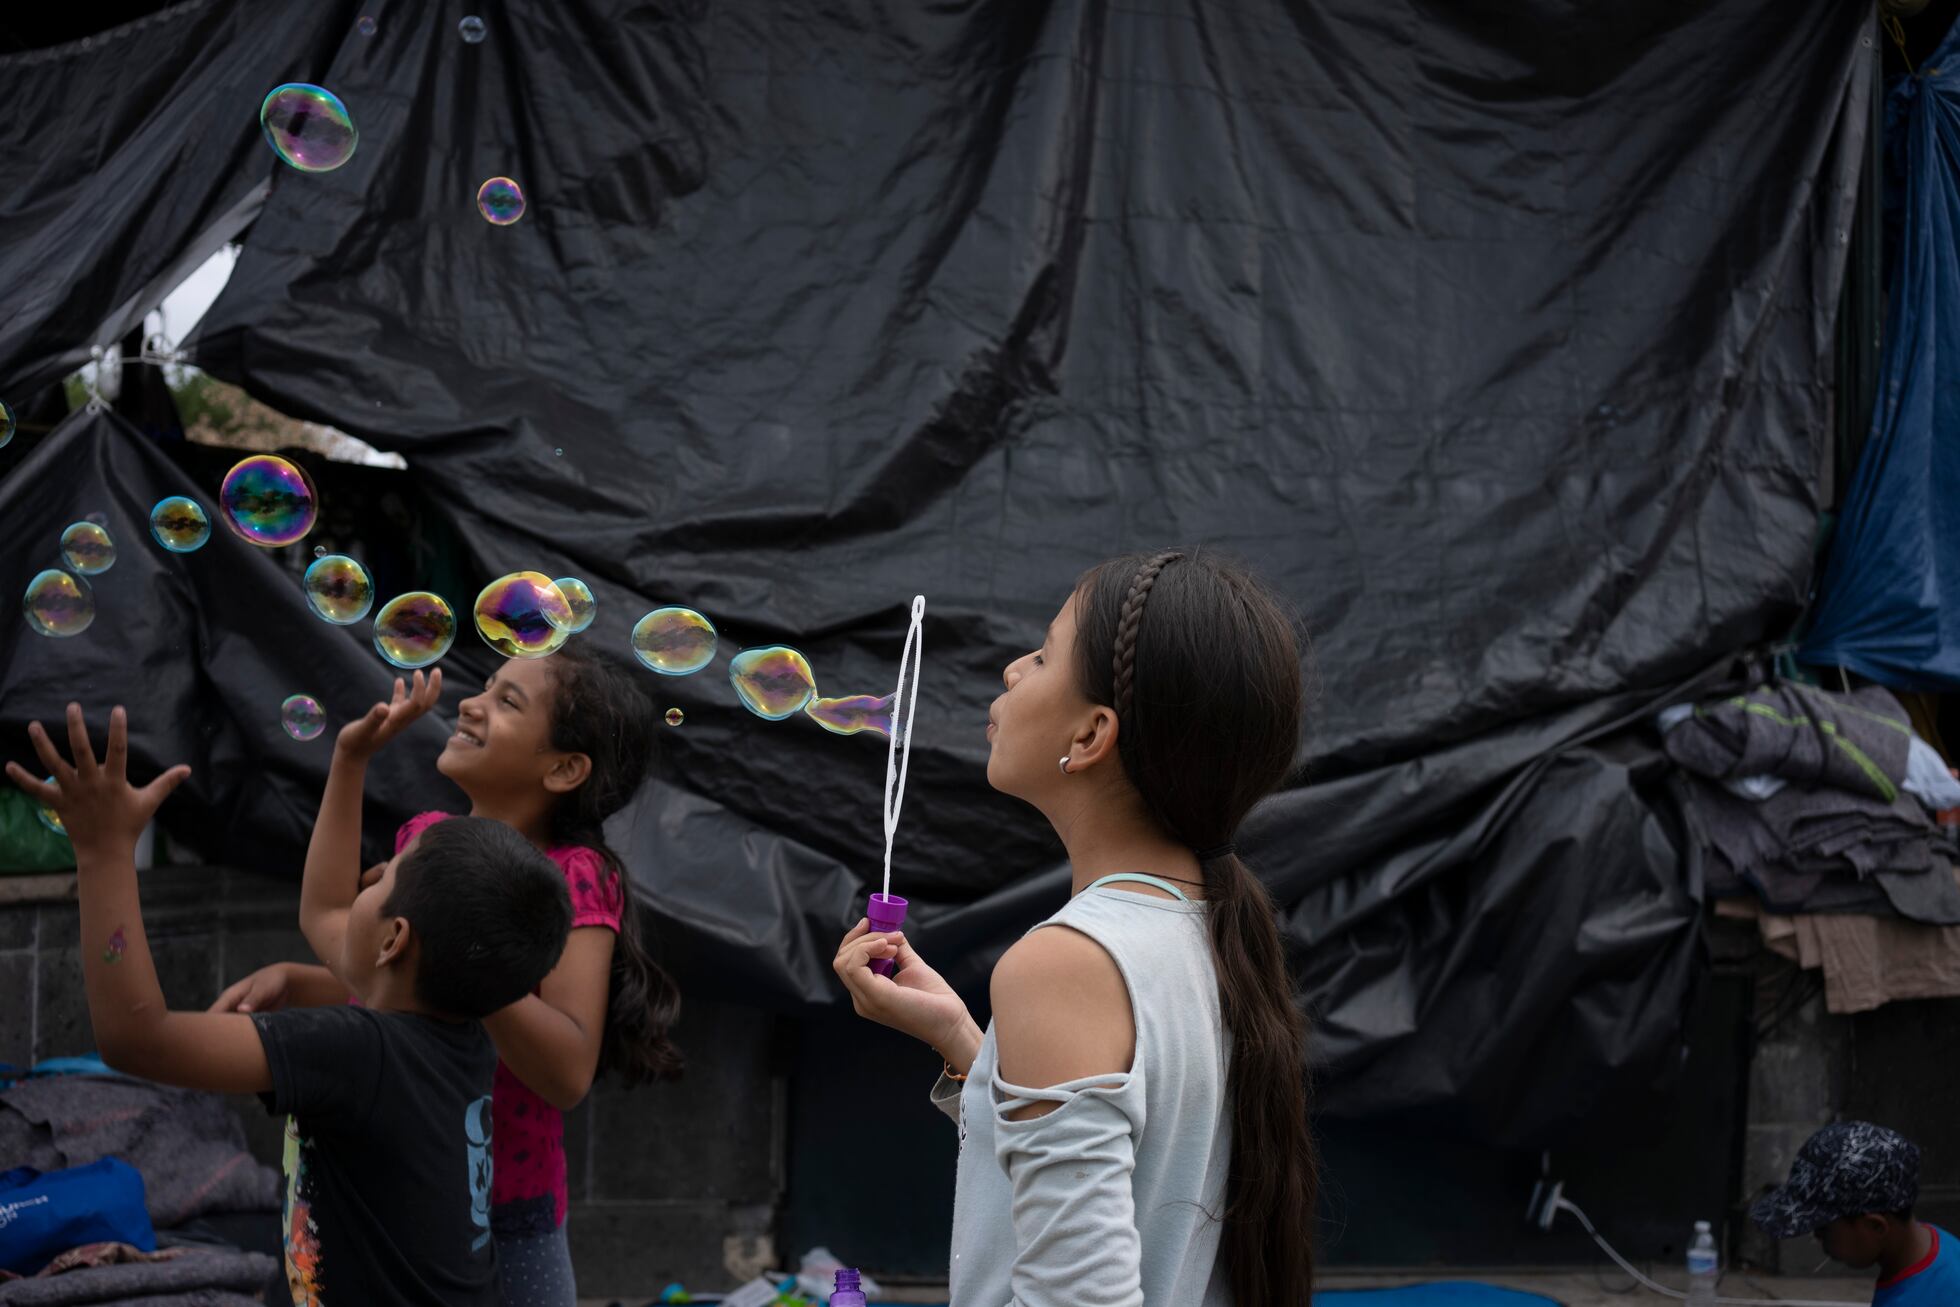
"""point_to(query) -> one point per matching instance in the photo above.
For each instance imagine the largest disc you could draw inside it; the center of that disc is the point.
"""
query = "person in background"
(1854, 1185)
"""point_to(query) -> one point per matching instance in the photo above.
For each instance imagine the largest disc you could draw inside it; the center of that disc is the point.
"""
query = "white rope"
(898, 758)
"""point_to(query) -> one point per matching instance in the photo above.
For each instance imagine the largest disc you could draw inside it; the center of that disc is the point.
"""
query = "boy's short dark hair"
(490, 914)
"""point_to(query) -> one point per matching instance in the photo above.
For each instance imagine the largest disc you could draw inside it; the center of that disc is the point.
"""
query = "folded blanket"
(1859, 742)
(189, 1146)
(193, 1278)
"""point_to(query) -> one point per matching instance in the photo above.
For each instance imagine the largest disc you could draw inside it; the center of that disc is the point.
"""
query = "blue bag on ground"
(43, 1213)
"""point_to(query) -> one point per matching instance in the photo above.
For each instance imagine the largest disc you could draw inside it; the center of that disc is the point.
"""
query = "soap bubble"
(268, 501)
(415, 629)
(365, 25)
(675, 717)
(578, 597)
(501, 201)
(179, 524)
(58, 604)
(6, 423)
(523, 615)
(674, 641)
(339, 589)
(471, 29)
(302, 716)
(319, 551)
(49, 817)
(88, 548)
(854, 713)
(773, 682)
(308, 127)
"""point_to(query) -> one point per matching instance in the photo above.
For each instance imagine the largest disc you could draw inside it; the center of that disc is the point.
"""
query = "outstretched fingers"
(78, 746)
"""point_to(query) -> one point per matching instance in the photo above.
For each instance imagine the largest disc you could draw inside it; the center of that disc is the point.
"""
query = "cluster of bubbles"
(308, 127)
(302, 716)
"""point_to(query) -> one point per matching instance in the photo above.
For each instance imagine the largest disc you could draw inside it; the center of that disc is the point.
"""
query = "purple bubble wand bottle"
(886, 911)
(847, 1293)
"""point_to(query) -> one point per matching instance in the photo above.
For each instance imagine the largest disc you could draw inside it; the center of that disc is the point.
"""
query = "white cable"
(898, 758)
(1568, 1205)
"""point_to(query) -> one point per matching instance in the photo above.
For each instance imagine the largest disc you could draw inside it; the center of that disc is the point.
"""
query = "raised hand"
(95, 800)
(363, 737)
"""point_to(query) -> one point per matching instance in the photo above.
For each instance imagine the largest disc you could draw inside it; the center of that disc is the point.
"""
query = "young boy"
(388, 1137)
(1853, 1185)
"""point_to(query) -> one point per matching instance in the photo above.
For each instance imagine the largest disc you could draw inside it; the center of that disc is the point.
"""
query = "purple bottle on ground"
(848, 1294)
(885, 912)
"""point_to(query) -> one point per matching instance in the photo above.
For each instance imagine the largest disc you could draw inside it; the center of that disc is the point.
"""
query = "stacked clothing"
(1816, 802)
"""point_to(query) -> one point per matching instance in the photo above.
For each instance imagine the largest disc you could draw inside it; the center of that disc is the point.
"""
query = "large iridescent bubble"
(523, 615)
(268, 501)
(501, 201)
(578, 596)
(308, 127)
(302, 716)
(179, 524)
(339, 589)
(58, 604)
(88, 548)
(773, 682)
(674, 641)
(415, 629)
(853, 713)
(6, 423)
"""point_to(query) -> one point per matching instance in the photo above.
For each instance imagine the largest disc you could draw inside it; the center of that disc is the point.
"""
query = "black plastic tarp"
(1889, 603)
(1495, 336)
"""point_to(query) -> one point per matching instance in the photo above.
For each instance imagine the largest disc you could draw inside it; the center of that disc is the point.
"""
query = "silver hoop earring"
(1065, 766)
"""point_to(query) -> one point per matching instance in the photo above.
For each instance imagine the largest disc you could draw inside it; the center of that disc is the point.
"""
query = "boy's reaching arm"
(333, 855)
(134, 1031)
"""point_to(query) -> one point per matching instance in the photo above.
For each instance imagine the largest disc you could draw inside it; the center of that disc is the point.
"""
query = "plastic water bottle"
(1704, 1267)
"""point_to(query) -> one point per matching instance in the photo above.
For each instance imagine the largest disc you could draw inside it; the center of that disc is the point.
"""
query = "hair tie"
(1216, 852)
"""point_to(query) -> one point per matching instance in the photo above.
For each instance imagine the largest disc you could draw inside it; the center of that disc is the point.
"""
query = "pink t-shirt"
(527, 1134)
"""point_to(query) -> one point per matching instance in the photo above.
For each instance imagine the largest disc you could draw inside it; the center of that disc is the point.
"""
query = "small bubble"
(49, 817)
(365, 26)
(179, 524)
(302, 716)
(675, 717)
(579, 596)
(558, 452)
(319, 551)
(501, 201)
(88, 548)
(471, 29)
(308, 127)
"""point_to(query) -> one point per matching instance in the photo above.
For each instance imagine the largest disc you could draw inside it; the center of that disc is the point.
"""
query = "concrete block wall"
(679, 1181)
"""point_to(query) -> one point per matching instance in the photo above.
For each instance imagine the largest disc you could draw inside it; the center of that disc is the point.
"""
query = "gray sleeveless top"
(1113, 1198)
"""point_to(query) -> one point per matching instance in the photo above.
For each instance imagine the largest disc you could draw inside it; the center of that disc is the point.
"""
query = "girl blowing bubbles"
(551, 747)
(1134, 1121)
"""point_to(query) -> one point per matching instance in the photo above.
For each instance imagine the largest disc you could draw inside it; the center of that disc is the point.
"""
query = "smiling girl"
(551, 747)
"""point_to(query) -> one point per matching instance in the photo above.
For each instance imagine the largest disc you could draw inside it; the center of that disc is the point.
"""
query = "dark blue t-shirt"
(1934, 1282)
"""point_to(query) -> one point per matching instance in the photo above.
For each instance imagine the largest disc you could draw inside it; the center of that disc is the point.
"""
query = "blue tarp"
(1889, 604)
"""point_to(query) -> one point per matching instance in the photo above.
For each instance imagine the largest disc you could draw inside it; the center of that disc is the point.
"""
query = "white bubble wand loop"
(898, 756)
(885, 913)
